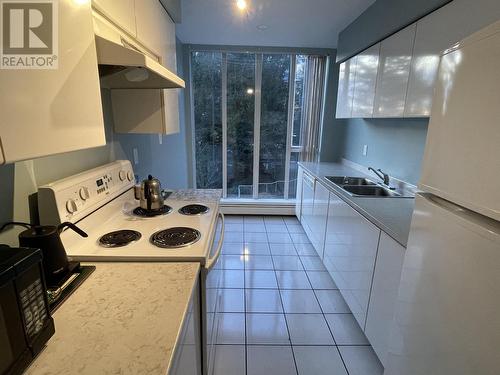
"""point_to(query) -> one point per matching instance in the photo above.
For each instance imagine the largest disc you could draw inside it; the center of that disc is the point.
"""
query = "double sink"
(363, 187)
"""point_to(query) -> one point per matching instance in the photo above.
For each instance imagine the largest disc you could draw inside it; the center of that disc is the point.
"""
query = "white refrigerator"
(447, 319)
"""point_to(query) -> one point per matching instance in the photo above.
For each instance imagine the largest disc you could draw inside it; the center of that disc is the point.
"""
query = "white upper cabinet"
(394, 72)
(366, 80)
(120, 11)
(50, 111)
(436, 33)
(156, 30)
(384, 293)
(347, 75)
(150, 111)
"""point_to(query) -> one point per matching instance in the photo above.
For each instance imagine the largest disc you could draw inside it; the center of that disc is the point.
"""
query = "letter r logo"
(27, 27)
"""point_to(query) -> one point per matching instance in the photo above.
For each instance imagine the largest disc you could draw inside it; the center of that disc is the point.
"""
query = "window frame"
(290, 148)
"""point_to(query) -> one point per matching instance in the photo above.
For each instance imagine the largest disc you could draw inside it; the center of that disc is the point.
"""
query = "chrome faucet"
(383, 176)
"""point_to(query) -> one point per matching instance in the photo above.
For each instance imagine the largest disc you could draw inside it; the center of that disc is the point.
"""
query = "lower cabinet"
(187, 356)
(364, 261)
(349, 255)
(298, 196)
(307, 204)
(384, 294)
(314, 211)
(319, 217)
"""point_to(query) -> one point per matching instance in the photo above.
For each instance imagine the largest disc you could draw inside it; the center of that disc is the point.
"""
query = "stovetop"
(118, 215)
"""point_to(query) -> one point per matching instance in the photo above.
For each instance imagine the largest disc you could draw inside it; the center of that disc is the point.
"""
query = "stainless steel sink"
(354, 181)
(370, 191)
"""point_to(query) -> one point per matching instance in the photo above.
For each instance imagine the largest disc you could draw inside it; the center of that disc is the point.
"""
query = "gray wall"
(394, 145)
(381, 19)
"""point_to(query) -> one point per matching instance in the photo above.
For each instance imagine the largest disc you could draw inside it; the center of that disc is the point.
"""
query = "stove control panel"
(75, 197)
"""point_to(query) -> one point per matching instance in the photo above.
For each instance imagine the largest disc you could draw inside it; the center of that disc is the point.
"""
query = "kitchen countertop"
(197, 195)
(124, 319)
(392, 215)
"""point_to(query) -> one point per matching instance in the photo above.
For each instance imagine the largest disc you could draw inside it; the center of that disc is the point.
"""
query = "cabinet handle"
(211, 262)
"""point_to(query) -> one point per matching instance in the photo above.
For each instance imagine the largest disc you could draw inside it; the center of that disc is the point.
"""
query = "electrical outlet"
(365, 150)
(136, 156)
(160, 139)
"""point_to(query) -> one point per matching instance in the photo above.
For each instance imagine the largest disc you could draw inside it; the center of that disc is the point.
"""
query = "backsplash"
(394, 145)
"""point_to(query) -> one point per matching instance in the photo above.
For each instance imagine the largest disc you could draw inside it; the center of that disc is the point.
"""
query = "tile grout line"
(245, 296)
(328, 325)
(286, 320)
(279, 289)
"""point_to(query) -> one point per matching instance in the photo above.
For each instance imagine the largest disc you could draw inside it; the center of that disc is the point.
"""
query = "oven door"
(210, 294)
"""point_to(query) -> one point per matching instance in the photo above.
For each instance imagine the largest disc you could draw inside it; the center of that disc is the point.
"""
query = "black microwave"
(25, 321)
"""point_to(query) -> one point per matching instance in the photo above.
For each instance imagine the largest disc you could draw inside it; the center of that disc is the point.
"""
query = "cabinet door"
(462, 18)
(349, 256)
(319, 217)
(120, 11)
(307, 204)
(51, 111)
(347, 75)
(394, 72)
(366, 80)
(298, 195)
(187, 357)
(384, 293)
(156, 30)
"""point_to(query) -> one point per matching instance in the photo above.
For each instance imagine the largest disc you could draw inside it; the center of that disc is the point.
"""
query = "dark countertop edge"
(351, 200)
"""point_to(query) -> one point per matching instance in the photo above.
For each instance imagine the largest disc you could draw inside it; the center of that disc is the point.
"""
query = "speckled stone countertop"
(392, 215)
(124, 319)
(198, 195)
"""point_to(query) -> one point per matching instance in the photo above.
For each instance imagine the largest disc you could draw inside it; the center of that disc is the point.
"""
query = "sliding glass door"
(247, 110)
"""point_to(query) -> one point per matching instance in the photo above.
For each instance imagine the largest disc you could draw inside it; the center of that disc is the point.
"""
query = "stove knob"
(130, 176)
(122, 175)
(71, 206)
(84, 193)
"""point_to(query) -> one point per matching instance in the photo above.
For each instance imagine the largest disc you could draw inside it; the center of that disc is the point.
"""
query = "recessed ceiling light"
(250, 91)
(262, 27)
(241, 4)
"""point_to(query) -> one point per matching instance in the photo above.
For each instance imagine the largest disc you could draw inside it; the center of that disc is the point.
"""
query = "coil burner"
(139, 211)
(194, 209)
(175, 237)
(119, 238)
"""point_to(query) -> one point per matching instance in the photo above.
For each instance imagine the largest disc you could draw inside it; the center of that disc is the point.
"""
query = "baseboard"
(257, 207)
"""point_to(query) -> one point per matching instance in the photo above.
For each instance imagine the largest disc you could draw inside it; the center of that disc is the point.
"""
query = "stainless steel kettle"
(151, 197)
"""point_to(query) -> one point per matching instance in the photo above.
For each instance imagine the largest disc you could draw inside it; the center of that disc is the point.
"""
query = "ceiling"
(277, 23)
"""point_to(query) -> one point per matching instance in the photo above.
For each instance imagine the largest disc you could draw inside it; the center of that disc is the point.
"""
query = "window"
(273, 125)
(207, 94)
(248, 110)
(240, 124)
(300, 74)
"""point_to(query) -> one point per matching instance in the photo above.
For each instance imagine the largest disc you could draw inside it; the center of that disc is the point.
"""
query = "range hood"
(124, 66)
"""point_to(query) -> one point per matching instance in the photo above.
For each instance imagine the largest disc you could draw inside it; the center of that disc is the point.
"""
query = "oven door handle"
(212, 261)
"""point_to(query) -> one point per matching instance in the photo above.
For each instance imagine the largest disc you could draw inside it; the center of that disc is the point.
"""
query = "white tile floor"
(281, 311)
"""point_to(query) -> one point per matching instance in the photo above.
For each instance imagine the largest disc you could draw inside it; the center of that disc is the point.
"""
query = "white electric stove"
(102, 203)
